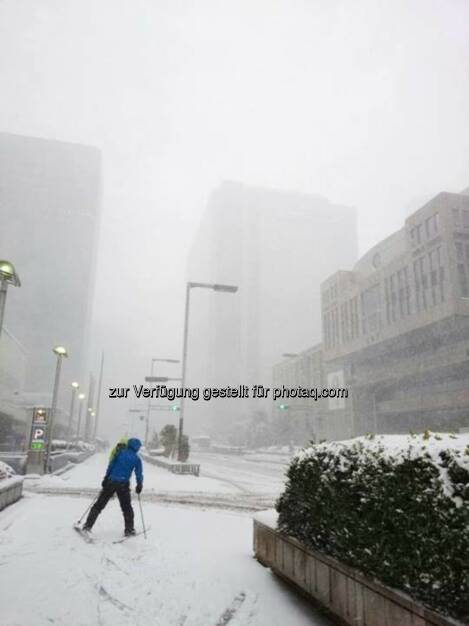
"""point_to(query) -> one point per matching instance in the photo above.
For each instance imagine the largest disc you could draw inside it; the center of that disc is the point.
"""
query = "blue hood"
(125, 462)
(134, 444)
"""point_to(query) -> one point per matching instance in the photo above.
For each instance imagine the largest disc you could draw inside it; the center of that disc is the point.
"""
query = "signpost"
(38, 440)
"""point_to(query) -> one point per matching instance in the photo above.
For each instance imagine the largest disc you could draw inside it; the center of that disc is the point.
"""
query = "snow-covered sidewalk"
(195, 569)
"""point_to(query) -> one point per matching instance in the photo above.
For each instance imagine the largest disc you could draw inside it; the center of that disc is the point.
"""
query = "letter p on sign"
(38, 434)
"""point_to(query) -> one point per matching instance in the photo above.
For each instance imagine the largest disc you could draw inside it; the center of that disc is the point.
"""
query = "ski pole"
(79, 521)
(141, 513)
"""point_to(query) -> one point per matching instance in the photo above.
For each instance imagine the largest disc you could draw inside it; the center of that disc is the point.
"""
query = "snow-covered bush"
(395, 507)
(6, 471)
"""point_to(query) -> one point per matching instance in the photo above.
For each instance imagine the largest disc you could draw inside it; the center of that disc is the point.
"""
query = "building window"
(441, 272)
(407, 291)
(371, 309)
(354, 320)
(421, 283)
(459, 251)
(457, 218)
(325, 330)
(403, 293)
(431, 225)
(423, 280)
(387, 298)
(416, 235)
(465, 218)
(418, 304)
(393, 294)
(463, 280)
(333, 328)
(433, 276)
(344, 322)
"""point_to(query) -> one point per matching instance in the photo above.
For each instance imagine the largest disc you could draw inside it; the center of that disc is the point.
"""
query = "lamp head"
(225, 288)
(75, 385)
(60, 351)
(8, 273)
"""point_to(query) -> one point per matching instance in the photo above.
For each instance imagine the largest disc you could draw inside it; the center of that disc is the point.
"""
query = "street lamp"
(147, 424)
(189, 286)
(81, 397)
(89, 415)
(159, 379)
(8, 276)
(60, 352)
(93, 415)
(75, 387)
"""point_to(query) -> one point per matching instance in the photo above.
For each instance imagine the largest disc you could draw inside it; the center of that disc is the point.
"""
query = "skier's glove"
(139, 488)
(105, 482)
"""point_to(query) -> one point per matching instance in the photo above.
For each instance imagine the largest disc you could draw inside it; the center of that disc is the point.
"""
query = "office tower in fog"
(277, 247)
(49, 203)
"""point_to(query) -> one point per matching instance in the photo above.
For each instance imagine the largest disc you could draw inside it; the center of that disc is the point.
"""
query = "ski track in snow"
(117, 603)
(231, 611)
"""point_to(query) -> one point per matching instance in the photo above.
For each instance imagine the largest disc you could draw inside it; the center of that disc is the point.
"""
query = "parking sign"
(39, 428)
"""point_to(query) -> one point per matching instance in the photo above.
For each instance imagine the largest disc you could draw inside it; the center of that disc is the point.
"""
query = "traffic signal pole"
(183, 374)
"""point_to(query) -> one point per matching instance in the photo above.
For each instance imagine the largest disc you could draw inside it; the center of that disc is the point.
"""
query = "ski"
(84, 534)
(122, 539)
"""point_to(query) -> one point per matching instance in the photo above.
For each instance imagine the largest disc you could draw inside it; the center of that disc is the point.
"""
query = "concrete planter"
(343, 590)
(11, 490)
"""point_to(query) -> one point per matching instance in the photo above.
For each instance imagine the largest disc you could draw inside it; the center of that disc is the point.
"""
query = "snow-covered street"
(195, 568)
(252, 473)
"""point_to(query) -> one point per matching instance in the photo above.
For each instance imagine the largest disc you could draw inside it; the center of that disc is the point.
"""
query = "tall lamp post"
(61, 352)
(189, 286)
(8, 276)
(89, 415)
(75, 387)
(147, 423)
(93, 417)
(81, 397)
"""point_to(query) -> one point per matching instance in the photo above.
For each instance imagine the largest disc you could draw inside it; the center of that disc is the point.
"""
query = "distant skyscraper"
(277, 247)
(49, 212)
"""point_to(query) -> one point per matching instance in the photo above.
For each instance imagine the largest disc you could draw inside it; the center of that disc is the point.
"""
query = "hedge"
(395, 507)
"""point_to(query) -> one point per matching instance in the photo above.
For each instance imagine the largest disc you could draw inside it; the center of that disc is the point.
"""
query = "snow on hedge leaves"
(394, 506)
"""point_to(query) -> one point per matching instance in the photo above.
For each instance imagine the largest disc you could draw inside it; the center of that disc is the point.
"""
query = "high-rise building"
(49, 214)
(396, 327)
(277, 247)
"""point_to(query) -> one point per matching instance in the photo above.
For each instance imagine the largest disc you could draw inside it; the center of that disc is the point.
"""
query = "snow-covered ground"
(195, 568)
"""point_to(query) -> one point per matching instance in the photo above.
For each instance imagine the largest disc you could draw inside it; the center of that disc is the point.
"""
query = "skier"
(117, 480)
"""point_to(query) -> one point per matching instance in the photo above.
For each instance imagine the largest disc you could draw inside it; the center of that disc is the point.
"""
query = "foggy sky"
(365, 102)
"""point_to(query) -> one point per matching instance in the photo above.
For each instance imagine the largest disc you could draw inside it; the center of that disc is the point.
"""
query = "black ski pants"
(123, 493)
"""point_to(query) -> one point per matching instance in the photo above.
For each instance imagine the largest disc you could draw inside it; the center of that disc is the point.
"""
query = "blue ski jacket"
(125, 462)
